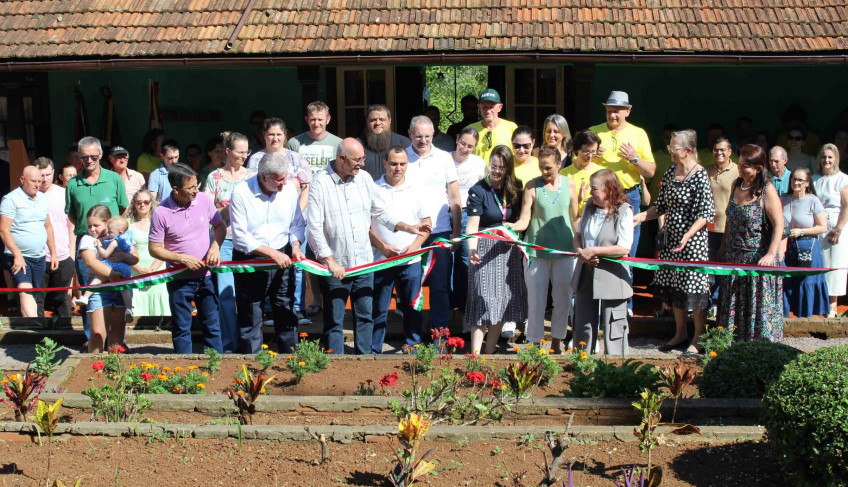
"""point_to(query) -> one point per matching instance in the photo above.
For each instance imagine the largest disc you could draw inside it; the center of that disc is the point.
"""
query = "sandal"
(313, 309)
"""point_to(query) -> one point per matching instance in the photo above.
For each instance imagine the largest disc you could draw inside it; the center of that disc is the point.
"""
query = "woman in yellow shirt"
(526, 165)
(583, 165)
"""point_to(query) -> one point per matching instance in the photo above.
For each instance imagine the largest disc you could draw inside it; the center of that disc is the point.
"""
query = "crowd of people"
(272, 198)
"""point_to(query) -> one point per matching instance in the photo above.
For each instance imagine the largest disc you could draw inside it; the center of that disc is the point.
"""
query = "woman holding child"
(106, 310)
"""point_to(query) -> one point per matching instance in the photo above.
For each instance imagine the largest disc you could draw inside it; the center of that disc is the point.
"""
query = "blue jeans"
(360, 289)
(202, 292)
(31, 273)
(84, 280)
(439, 282)
(635, 197)
(407, 280)
(225, 284)
(251, 290)
(460, 270)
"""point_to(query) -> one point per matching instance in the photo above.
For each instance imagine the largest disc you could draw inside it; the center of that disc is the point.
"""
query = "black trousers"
(61, 277)
(251, 291)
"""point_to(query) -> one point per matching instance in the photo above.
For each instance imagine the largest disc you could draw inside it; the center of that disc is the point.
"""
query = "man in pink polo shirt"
(179, 235)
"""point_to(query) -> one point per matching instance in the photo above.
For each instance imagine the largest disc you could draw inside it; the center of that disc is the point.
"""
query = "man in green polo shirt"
(493, 130)
(93, 186)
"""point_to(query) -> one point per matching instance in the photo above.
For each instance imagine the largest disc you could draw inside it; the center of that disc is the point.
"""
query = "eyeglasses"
(90, 158)
(720, 151)
(356, 160)
(243, 153)
(796, 137)
(142, 202)
(526, 146)
(798, 181)
(190, 188)
(587, 152)
(671, 148)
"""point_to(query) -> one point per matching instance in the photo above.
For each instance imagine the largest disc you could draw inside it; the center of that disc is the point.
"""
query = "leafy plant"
(579, 360)
(244, 392)
(424, 356)
(213, 360)
(535, 354)
(45, 353)
(610, 380)
(366, 388)
(121, 402)
(46, 418)
(715, 340)
(648, 409)
(309, 357)
(676, 378)
(266, 358)
(521, 378)
(746, 369)
(805, 412)
(409, 469)
(448, 84)
(22, 390)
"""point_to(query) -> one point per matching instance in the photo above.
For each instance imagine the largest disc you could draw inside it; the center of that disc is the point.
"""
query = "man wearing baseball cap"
(133, 180)
(493, 130)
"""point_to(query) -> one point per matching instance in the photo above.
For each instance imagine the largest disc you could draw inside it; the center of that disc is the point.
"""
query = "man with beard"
(378, 138)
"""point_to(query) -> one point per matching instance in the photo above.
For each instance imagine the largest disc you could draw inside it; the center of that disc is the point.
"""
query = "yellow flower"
(240, 393)
(301, 363)
(721, 328)
(582, 343)
(416, 345)
(413, 427)
(550, 350)
(542, 342)
(262, 391)
(272, 353)
(569, 351)
(106, 354)
(13, 377)
(583, 355)
(5, 381)
(542, 351)
(476, 352)
(162, 377)
(304, 335)
(148, 366)
(713, 354)
(206, 374)
(289, 357)
(177, 369)
(191, 367)
(132, 366)
(515, 349)
(166, 369)
(201, 386)
(264, 347)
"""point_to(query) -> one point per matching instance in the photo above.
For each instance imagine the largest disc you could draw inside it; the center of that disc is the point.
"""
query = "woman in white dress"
(832, 187)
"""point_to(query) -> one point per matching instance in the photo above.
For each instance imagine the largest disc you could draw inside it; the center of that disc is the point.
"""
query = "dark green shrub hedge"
(746, 369)
(806, 417)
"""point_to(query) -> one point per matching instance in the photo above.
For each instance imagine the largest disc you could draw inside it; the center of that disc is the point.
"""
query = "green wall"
(233, 92)
(695, 96)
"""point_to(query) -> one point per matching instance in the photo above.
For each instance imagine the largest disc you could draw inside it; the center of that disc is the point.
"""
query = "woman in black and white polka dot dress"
(687, 202)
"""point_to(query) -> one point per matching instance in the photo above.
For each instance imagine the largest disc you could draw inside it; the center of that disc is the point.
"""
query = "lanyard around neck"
(502, 205)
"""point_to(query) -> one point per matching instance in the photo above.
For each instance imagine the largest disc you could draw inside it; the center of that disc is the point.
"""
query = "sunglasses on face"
(796, 137)
(526, 146)
(89, 158)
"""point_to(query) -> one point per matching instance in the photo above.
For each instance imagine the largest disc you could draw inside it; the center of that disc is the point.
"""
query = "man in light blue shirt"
(779, 174)
(158, 183)
(25, 229)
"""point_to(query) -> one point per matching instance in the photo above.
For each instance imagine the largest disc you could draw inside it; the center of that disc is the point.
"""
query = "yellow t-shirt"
(579, 176)
(147, 163)
(528, 171)
(626, 172)
(489, 139)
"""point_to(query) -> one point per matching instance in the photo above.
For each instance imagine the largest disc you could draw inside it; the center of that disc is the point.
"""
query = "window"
(357, 89)
(534, 94)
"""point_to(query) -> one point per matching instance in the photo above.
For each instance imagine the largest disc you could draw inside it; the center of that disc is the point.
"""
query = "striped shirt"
(338, 216)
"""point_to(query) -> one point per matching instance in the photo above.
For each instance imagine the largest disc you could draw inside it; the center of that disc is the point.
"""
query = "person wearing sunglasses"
(526, 164)
(151, 300)
(797, 157)
(493, 130)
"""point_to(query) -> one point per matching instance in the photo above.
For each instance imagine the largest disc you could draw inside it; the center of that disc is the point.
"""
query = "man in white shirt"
(343, 201)
(433, 170)
(65, 241)
(407, 204)
(267, 224)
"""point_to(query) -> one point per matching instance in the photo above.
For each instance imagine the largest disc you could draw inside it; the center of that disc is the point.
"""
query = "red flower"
(147, 376)
(388, 379)
(493, 384)
(98, 366)
(447, 355)
(475, 377)
(455, 343)
(443, 332)
(117, 349)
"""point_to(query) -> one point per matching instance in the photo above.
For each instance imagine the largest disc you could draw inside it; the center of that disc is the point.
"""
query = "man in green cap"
(493, 130)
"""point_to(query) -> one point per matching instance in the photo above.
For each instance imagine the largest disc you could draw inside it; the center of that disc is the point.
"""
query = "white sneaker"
(81, 301)
(508, 330)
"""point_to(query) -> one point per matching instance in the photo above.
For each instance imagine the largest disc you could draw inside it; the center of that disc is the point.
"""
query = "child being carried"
(116, 239)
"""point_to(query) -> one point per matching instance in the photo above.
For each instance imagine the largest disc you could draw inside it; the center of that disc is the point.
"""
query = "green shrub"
(746, 369)
(806, 417)
(610, 380)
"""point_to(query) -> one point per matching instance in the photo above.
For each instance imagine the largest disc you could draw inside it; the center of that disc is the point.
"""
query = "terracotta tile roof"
(144, 28)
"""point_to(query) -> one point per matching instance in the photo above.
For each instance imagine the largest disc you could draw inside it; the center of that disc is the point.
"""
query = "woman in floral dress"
(219, 185)
(687, 202)
(752, 305)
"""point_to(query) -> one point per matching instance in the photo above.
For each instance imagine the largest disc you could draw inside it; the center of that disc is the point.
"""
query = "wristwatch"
(634, 160)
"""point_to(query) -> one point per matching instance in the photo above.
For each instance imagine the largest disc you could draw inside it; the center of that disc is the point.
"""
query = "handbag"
(662, 239)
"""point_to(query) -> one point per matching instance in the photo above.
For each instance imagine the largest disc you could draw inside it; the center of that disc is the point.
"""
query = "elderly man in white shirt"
(434, 171)
(407, 203)
(267, 224)
(343, 200)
